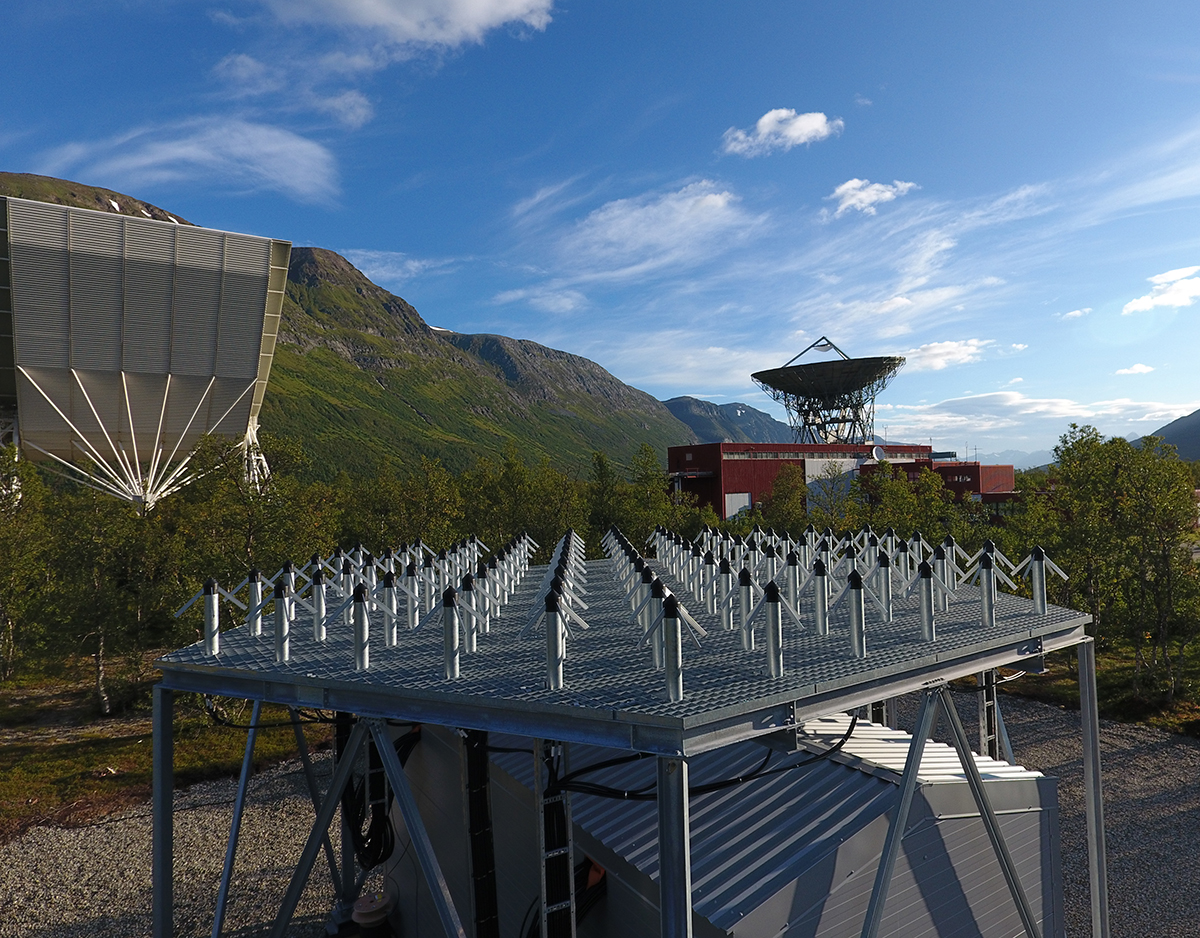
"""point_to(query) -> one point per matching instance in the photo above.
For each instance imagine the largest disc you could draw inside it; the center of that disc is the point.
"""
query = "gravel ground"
(95, 880)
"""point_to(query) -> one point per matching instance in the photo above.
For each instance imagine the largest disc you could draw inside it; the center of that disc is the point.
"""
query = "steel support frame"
(162, 865)
(1089, 712)
(674, 848)
(419, 836)
(933, 699)
(235, 826)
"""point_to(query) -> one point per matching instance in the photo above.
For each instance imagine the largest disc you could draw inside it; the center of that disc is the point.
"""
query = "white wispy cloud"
(626, 238)
(1138, 369)
(934, 356)
(1175, 288)
(393, 268)
(1005, 411)
(863, 195)
(418, 23)
(546, 299)
(1076, 313)
(1012, 381)
(780, 129)
(229, 153)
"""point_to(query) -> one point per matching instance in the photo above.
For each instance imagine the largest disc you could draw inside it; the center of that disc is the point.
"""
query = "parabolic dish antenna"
(830, 401)
(124, 340)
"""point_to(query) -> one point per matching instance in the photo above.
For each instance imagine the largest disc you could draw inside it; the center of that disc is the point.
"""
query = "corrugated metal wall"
(796, 851)
(107, 295)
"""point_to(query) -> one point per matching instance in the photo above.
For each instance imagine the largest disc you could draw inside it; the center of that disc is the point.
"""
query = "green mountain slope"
(79, 195)
(359, 376)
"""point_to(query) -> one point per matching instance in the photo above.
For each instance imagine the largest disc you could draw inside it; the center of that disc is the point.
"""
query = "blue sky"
(1006, 193)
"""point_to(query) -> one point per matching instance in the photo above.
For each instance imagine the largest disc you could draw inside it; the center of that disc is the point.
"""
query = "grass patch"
(63, 766)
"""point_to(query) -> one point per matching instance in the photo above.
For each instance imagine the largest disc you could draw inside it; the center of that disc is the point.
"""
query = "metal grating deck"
(613, 696)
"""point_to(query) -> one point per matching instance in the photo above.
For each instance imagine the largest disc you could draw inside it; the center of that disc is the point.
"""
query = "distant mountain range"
(728, 423)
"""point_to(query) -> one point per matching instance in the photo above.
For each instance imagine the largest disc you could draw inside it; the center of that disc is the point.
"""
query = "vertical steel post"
(450, 655)
(555, 653)
(725, 575)
(412, 596)
(318, 604)
(283, 644)
(390, 609)
(235, 826)
(774, 631)
(746, 600)
(212, 619)
(821, 596)
(858, 618)
(470, 624)
(926, 600)
(885, 586)
(987, 592)
(941, 568)
(163, 847)
(672, 649)
(1037, 580)
(362, 629)
(658, 593)
(674, 848)
(254, 603)
(1093, 790)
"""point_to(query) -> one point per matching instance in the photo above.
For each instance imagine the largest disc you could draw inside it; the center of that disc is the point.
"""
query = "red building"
(735, 476)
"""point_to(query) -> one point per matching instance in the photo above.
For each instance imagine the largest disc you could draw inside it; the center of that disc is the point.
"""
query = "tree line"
(83, 574)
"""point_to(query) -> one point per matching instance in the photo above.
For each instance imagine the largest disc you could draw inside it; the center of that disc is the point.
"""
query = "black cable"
(650, 793)
(508, 749)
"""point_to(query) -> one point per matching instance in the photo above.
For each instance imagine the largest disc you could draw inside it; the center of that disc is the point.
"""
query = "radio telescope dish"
(830, 401)
(125, 340)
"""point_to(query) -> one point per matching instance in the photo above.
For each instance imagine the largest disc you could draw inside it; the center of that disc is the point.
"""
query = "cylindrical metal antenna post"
(940, 567)
(450, 654)
(987, 592)
(318, 604)
(672, 649)
(283, 642)
(212, 619)
(821, 596)
(555, 651)
(361, 617)
(858, 619)
(746, 606)
(391, 608)
(925, 599)
(255, 603)
(774, 631)
(1037, 580)
(884, 579)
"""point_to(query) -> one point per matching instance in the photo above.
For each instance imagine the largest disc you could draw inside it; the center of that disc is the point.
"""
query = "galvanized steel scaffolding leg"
(958, 737)
(1089, 711)
(235, 826)
(674, 848)
(442, 900)
(337, 785)
(163, 853)
(315, 794)
(908, 786)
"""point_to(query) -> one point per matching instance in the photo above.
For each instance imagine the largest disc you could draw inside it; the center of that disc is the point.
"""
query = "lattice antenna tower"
(830, 401)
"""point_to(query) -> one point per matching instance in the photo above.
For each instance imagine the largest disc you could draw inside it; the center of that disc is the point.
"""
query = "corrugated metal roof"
(886, 748)
(749, 841)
